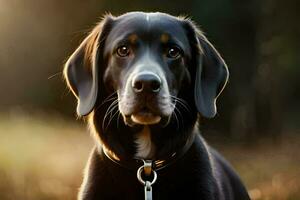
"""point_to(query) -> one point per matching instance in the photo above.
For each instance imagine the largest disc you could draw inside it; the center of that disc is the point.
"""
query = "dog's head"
(148, 66)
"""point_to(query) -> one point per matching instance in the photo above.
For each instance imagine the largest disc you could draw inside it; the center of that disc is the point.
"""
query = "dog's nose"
(146, 82)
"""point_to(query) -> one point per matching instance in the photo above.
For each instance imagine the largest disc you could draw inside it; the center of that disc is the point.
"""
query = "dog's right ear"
(81, 69)
(211, 73)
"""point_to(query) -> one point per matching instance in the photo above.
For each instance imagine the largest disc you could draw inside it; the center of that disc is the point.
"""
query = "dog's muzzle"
(146, 84)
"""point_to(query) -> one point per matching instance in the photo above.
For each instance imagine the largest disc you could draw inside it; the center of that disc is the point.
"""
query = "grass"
(43, 157)
(270, 171)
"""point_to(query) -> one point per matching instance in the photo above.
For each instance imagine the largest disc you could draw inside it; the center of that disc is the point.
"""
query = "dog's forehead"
(147, 25)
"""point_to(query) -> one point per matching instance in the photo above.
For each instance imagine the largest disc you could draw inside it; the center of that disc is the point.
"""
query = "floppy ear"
(81, 69)
(211, 74)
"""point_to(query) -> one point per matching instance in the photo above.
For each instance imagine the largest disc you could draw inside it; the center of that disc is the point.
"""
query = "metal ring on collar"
(139, 176)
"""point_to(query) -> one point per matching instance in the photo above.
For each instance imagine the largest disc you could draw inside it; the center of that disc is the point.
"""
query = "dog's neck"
(146, 151)
(145, 146)
(144, 142)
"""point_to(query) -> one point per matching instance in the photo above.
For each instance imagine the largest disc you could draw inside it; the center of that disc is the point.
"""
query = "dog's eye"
(123, 51)
(174, 52)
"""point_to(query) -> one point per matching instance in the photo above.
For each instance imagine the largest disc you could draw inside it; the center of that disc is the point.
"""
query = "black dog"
(144, 79)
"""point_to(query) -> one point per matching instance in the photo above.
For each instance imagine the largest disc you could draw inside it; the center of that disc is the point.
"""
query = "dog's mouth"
(145, 117)
(145, 110)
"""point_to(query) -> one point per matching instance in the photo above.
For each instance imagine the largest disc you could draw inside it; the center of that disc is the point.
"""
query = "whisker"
(112, 106)
(98, 107)
(54, 75)
(107, 99)
(118, 119)
(181, 102)
(110, 96)
(181, 117)
(109, 115)
(177, 121)
(111, 118)
(185, 105)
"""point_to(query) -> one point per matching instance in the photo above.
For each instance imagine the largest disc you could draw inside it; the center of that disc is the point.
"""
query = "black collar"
(157, 164)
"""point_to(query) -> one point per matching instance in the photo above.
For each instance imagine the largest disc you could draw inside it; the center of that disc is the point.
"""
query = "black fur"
(94, 73)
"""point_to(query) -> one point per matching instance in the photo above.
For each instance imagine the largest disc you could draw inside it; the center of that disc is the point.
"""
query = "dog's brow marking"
(133, 38)
(145, 147)
(164, 38)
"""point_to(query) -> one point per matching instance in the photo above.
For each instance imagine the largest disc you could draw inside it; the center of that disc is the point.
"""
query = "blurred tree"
(260, 42)
(278, 54)
(231, 26)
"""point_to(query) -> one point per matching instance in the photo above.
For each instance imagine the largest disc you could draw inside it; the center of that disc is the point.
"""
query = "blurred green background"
(43, 148)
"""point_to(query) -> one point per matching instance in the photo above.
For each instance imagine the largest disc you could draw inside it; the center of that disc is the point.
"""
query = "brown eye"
(123, 51)
(174, 52)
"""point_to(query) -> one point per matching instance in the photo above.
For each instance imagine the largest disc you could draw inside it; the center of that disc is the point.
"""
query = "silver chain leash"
(147, 169)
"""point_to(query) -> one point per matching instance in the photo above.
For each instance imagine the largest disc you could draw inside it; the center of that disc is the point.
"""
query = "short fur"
(190, 84)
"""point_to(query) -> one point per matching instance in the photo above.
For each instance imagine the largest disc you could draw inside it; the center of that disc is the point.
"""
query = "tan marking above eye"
(164, 38)
(133, 38)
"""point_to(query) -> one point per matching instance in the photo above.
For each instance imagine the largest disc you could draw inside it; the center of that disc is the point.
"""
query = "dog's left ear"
(211, 73)
(81, 69)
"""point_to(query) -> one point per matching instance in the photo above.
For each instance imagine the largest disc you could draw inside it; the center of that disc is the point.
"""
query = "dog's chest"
(145, 146)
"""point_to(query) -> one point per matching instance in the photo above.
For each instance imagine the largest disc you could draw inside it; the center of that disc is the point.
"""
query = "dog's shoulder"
(92, 187)
(229, 182)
